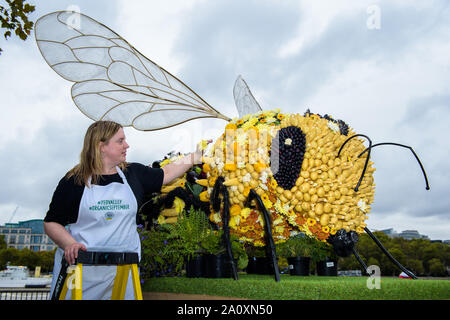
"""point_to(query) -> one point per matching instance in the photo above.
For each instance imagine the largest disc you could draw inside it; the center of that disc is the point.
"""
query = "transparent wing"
(243, 98)
(112, 80)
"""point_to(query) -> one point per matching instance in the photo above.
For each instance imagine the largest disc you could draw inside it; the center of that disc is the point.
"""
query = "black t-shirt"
(66, 199)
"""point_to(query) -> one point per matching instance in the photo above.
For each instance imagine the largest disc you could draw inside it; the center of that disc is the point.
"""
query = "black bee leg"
(361, 262)
(219, 188)
(409, 273)
(268, 232)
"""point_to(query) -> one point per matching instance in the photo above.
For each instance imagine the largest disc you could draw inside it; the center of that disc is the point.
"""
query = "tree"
(437, 269)
(14, 17)
(10, 255)
(416, 266)
(3, 243)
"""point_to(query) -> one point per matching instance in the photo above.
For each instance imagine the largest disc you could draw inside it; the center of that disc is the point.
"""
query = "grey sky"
(391, 84)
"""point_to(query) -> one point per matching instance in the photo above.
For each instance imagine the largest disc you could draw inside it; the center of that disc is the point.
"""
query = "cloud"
(34, 168)
(389, 83)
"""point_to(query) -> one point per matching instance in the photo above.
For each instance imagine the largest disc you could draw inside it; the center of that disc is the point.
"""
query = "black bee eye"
(286, 156)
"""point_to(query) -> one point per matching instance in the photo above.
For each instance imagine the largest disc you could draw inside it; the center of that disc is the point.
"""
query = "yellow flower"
(311, 221)
(273, 183)
(246, 117)
(234, 221)
(206, 168)
(245, 213)
(268, 204)
(280, 116)
(164, 162)
(333, 231)
(204, 196)
(269, 113)
(326, 229)
(235, 210)
(215, 217)
(250, 123)
(202, 145)
(278, 206)
(243, 229)
(239, 122)
(179, 204)
(265, 197)
(231, 126)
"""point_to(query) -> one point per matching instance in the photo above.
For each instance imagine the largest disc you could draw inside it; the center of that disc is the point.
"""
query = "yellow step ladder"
(73, 276)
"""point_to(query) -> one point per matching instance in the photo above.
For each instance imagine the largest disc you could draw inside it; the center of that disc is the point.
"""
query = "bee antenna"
(367, 159)
(427, 187)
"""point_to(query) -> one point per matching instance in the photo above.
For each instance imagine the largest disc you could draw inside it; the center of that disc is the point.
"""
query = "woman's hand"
(64, 240)
(71, 252)
(196, 157)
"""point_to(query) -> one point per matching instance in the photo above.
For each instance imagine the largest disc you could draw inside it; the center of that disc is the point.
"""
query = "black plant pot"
(259, 265)
(194, 267)
(215, 266)
(299, 266)
(327, 267)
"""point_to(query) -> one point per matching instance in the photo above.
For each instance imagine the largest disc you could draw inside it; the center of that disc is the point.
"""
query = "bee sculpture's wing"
(112, 80)
(243, 97)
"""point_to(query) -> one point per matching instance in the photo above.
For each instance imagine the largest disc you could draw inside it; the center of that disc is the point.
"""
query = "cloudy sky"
(382, 66)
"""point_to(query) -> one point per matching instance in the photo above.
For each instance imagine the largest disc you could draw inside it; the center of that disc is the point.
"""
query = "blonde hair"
(90, 158)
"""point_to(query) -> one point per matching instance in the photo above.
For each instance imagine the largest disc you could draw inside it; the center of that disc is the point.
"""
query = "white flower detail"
(333, 126)
(264, 177)
(247, 178)
(363, 206)
(288, 141)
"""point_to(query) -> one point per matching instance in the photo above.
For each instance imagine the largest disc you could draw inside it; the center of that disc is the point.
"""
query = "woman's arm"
(176, 169)
(64, 240)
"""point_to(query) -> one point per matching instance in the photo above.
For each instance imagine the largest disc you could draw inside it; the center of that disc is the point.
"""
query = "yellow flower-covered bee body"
(292, 163)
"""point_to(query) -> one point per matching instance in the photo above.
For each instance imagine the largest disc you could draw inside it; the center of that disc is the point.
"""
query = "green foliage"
(191, 229)
(26, 257)
(212, 243)
(3, 243)
(239, 252)
(436, 268)
(297, 246)
(14, 17)
(161, 255)
(166, 246)
(255, 251)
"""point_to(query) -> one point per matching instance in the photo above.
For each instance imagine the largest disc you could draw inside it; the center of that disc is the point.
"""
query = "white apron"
(106, 222)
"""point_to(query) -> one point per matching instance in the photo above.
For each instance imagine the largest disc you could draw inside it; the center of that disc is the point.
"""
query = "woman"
(94, 206)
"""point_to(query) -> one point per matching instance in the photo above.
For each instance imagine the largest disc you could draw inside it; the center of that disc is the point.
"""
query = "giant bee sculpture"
(268, 176)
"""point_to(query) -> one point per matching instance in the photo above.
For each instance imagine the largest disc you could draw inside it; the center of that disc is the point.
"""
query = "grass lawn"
(262, 287)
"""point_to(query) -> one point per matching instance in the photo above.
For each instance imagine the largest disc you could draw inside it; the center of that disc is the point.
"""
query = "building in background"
(406, 234)
(27, 234)
(412, 234)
